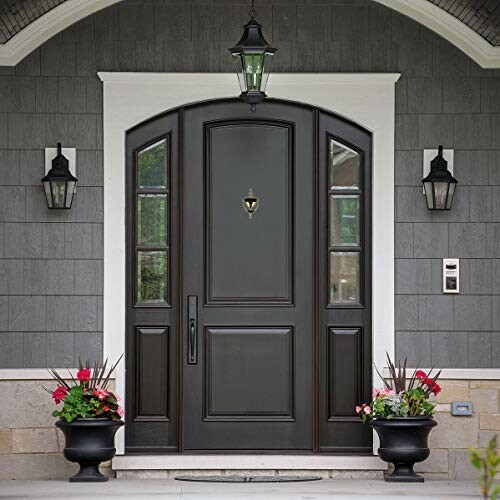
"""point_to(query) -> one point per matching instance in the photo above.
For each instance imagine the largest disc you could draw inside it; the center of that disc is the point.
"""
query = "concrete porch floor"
(170, 489)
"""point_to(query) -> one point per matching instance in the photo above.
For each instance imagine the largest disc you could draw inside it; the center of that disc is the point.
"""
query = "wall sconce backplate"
(69, 153)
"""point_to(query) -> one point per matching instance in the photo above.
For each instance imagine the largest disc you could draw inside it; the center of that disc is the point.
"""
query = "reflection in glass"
(344, 166)
(152, 219)
(151, 166)
(152, 277)
(344, 278)
(344, 220)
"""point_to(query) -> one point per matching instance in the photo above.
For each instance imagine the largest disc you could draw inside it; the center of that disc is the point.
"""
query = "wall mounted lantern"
(59, 184)
(439, 185)
(252, 57)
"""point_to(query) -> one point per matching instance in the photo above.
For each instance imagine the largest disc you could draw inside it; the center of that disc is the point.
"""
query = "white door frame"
(130, 98)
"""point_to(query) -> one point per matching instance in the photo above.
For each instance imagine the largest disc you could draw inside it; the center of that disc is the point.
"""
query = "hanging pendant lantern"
(59, 184)
(439, 185)
(252, 57)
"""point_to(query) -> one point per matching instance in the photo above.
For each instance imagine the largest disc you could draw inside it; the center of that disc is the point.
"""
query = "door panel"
(239, 363)
(251, 387)
(245, 264)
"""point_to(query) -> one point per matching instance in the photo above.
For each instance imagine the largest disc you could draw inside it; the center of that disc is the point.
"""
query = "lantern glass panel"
(48, 195)
(58, 188)
(429, 194)
(440, 194)
(451, 193)
(268, 59)
(238, 66)
(70, 192)
(254, 65)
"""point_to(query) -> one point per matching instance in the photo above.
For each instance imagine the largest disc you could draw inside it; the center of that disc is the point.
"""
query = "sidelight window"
(344, 228)
(151, 227)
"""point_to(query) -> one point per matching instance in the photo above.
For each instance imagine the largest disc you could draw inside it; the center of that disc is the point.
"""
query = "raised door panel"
(249, 374)
(249, 252)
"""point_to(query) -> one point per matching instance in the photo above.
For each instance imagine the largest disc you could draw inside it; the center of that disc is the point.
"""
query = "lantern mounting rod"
(251, 12)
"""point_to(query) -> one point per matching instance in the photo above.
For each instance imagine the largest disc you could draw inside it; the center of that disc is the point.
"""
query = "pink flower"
(376, 392)
(358, 409)
(83, 375)
(388, 392)
(120, 411)
(367, 410)
(100, 393)
(106, 408)
(59, 394)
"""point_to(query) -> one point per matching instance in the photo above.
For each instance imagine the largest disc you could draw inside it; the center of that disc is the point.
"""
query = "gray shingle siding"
(51, 263)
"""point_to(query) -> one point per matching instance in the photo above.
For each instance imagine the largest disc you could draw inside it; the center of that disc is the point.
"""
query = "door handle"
(192, 330)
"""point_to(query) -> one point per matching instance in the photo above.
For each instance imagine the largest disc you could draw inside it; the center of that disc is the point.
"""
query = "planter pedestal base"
(88, 473)
(403, 473)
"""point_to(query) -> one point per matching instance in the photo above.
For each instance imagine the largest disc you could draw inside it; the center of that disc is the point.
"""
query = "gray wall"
(51, 263)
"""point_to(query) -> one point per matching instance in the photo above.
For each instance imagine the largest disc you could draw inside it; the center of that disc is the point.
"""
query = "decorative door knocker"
(250, 203)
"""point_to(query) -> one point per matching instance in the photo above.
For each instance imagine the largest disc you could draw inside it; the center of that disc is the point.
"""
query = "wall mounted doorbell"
(451, 276)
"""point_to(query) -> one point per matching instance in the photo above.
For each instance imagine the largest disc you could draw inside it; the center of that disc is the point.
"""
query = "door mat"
(248, 479)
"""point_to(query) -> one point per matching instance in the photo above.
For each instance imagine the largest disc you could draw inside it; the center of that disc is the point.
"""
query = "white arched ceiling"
(426, 13)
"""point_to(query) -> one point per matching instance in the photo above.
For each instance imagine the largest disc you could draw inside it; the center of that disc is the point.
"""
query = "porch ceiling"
(482, 16)
(471, 25)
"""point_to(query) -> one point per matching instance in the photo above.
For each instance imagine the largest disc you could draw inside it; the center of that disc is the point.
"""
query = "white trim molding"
(132, 98)
(450, 28)
(247, 462)
(457, 373)
(71, 11)
(46, 26)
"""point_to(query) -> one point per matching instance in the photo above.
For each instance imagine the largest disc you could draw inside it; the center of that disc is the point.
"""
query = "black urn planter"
(403, 441)
(89, 441)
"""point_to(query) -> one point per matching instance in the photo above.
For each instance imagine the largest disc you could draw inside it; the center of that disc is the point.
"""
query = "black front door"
(248, 268)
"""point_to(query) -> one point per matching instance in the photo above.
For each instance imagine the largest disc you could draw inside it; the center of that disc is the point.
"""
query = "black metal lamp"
(59, 184)
(439, 185)
(252, 57)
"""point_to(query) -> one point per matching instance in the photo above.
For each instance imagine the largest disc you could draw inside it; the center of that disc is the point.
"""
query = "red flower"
(59, 394)
(420, 374)
(106, 408)
(83, 375)
(436, 388)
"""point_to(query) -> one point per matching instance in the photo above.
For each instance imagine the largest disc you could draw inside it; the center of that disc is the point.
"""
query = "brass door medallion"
(250, 203)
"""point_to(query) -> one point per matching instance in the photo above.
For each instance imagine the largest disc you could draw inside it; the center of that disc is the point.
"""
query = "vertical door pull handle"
(192, 330)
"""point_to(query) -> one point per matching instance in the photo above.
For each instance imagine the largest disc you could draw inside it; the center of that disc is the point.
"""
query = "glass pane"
(152, 277)
(268, 59)
(344, 167)
(58, 193)
(253, 70)
(344, 220)
(151, 166)
(152, 219)
(344, 278)
(238, 66)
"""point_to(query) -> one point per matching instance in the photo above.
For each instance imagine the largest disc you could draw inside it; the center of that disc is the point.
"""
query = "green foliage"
(418, 402)
(78, 403)
(487, 463)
